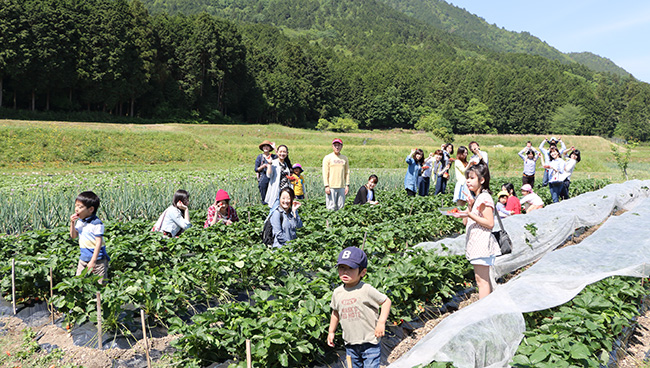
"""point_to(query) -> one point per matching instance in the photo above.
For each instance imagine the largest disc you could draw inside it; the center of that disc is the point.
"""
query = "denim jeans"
(564, 194)
(441, 185)
(364, 355)
(423, 185)
(263, 185)
(556, 188)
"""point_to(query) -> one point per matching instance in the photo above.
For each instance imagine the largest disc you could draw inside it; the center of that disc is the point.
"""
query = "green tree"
(142, 55)
(338, 124)
(13, 31)
(479, 119)
(567, 119)
(388, 110)
(436, 124)
(635, 118)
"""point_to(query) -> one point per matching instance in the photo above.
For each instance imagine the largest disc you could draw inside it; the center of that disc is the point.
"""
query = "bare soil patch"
(636, 354)
(87, 357)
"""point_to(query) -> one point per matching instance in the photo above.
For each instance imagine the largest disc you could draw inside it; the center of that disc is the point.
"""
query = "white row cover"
(487, 333)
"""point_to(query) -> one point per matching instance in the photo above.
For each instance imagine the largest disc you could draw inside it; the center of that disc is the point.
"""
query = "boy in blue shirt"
(90, 230)
(356, 305)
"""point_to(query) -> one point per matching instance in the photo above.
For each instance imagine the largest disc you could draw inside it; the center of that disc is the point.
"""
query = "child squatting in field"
(356, 305)
(85, 224)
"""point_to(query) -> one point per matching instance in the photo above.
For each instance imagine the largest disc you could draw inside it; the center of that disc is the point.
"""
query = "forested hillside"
(597, 63)
(475, 29)
(294, 62)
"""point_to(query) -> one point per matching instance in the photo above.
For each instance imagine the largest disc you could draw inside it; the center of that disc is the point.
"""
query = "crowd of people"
(281, 184)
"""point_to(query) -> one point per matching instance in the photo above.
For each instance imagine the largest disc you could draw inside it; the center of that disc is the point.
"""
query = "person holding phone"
(285, 219)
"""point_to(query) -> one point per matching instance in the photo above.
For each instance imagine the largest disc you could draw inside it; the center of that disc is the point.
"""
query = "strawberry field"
(219, 286)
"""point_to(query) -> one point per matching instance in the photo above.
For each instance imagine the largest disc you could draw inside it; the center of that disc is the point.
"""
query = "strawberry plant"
(581, 332)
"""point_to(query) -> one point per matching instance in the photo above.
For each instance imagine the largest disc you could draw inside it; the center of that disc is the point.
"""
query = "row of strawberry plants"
(201, 252)
(581, 332)
(286, 322)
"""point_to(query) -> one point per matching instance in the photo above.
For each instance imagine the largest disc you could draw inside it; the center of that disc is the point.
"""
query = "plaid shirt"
(213, 211)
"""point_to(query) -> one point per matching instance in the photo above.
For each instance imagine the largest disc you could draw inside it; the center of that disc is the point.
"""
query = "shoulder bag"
(503, 238)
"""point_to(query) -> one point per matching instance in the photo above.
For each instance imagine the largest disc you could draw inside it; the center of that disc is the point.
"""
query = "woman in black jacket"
(366, 193)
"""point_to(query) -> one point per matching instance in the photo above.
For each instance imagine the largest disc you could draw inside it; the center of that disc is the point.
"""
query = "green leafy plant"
(623, 158)
(581, 332)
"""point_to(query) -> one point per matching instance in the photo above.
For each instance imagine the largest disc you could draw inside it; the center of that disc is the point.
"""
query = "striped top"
(89, 230)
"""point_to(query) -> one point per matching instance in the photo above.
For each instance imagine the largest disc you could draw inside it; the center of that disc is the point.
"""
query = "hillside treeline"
(356, 60)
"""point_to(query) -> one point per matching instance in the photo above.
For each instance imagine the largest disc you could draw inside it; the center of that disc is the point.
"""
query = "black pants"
(410, 193)
(528, 179)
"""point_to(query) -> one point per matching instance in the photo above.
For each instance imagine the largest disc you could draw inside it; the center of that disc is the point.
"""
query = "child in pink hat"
(221, 210)
(530, 200)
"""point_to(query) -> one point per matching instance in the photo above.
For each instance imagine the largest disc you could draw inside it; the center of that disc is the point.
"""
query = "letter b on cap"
(346, 254)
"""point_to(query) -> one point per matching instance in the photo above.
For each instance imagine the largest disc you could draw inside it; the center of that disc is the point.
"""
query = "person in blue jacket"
(285, 219)
(415, 161)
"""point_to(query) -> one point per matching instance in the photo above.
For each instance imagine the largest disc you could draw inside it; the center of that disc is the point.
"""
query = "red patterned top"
(213, 211)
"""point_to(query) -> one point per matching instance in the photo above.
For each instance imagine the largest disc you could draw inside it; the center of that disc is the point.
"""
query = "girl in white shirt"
(555, 167)
(176, 217)
(574, 158)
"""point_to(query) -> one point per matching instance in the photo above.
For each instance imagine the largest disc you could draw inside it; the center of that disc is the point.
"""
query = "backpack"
(267, 230)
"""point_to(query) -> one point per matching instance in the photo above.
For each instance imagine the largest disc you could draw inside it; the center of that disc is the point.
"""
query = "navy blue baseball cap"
(353, 257)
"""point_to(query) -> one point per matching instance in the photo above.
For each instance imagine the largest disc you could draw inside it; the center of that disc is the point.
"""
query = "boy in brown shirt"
(356, 305)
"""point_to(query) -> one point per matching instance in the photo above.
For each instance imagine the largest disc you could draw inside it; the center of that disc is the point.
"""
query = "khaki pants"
(336, 199)
(100, 269)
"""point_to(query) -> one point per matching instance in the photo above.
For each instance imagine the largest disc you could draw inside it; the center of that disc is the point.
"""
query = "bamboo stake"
(146, 339)
(364, 240)
(51, 295)
(13, 284)
(99, 321)
(249, 359)
(249, 217)
(349, 360)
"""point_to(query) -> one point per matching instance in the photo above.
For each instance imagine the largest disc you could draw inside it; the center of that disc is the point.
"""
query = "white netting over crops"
(487, 333)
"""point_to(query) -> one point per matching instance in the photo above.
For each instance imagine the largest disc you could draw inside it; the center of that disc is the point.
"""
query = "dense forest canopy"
(295, 62)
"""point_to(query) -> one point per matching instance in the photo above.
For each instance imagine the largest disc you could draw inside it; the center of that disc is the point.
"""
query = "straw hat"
(266, 143)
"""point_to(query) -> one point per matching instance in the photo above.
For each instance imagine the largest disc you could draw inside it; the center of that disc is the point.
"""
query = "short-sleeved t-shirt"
(479, 241)
(89, 230)
(358, 309)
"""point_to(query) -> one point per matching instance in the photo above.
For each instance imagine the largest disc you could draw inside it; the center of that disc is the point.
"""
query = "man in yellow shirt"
(336, 177)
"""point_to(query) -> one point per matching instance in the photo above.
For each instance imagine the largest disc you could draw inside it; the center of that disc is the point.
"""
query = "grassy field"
(61, 147)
